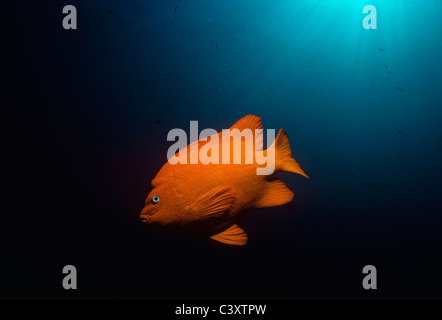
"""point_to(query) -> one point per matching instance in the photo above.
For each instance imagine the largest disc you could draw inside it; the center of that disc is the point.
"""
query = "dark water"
(86, 113)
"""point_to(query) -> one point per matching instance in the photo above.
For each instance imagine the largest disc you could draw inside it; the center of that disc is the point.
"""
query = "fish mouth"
(145, 218)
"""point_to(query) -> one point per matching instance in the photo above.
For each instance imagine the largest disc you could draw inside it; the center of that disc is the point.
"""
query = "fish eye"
(155, 199)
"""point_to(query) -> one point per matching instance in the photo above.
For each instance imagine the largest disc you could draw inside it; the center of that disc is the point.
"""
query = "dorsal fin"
(251, 122)
(248, 122)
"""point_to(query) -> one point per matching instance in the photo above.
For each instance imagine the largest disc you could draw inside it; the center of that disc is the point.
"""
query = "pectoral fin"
(234, 236)
(213, 203)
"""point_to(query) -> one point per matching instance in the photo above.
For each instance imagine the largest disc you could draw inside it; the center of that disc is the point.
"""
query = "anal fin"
(233, 235)
(276, 194)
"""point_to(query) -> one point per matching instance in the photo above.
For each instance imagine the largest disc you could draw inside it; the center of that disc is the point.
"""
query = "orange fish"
(207, 199)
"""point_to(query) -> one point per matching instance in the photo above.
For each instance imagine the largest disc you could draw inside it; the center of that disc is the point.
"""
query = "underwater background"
(86, 114)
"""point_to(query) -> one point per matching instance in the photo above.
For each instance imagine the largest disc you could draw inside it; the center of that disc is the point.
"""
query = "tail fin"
(283, 153)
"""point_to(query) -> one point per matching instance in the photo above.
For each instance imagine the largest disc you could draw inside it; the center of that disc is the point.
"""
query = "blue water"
(364, 123)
